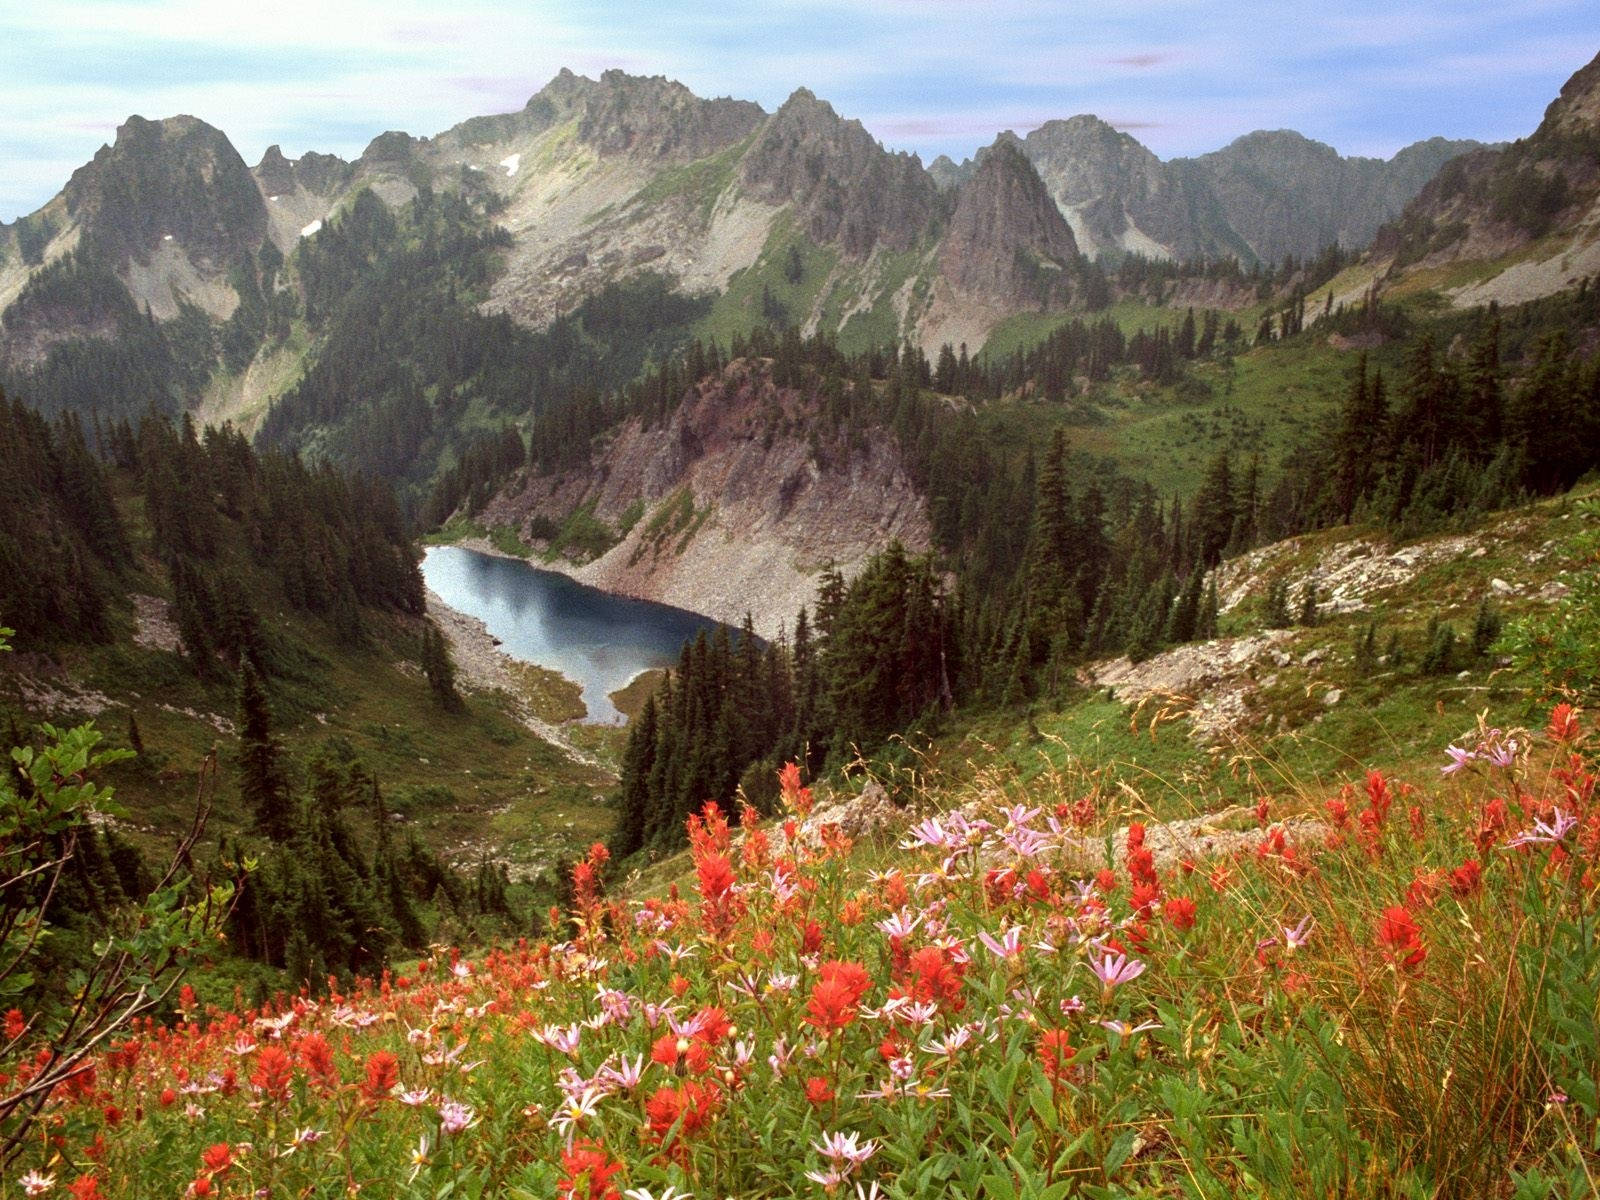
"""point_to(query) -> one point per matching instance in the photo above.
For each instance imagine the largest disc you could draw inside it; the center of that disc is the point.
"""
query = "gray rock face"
(649, 117)
(1284, 194)
(769, 510)
(947, 174)
(1265, 196)
(1007, 241)
(847, 189)
(1120, 197)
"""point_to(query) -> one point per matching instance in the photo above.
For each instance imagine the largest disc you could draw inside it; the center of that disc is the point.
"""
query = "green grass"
(739, 308)
(702, 180)
(630, 700)
(468, 783)
(1294, 741)
(582, 533)
(883, 279)
(461, 528)
(676, 517)
(1260, 402)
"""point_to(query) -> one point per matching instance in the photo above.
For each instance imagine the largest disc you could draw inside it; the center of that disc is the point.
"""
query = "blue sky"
(934, 76)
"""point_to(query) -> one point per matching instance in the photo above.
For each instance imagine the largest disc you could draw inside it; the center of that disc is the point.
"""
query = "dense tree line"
(328, 897)
(879, 654)
(62, 543)
(1154, 278)
(117, 361)
(1447, 436)
(223, 519)
(222, 514)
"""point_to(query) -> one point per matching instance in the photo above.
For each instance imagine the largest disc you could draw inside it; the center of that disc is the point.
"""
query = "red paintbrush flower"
(317, 1058)
(1401, 938)
(1467, 879)
(216, 1159)
(1563, 725)
(383, 1073)
(831, 1006)
(589, 1172)
(689, 1106)
(817, 1091)
(273, 1074)
(1179, 912)
(1056, 1055)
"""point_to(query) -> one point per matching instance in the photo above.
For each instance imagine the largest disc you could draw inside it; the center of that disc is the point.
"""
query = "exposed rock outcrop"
(1120, 198)
(734, 506)
(177, 179)
(846, 189)
(1007, 241)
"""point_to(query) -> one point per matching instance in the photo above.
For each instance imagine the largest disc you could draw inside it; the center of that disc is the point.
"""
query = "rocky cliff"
(1284, 194)
(1120, 198)
(734, 505)
(845, 189)
(1007, 242)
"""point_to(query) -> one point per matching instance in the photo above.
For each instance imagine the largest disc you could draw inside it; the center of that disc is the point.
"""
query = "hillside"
(169, 262)
(1262, 198)
(1046, 979)
(1508, 225)
(731, 505)
(159, 605)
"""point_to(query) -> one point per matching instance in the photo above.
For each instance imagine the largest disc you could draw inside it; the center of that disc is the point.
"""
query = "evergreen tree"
(633, 817)
(1214, 511)
(262, 781)
(1308, 604)
(1486, 627)
(1276, 614)
(439, 671)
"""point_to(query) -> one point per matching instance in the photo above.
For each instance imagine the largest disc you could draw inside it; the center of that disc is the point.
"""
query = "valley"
(653, 631)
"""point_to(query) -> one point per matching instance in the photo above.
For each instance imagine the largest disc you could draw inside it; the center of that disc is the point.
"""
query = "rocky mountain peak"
(1084, 159)
(649, 117)
(393, 148)
(177, 178)
(845, 187)
(274, 172)
(947, 173)
(1084, 133)
(1007, 241)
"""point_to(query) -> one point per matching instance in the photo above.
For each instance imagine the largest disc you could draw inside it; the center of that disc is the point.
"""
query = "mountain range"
(599, 179)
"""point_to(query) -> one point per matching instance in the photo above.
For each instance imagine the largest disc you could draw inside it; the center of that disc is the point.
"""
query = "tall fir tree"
(263, 783)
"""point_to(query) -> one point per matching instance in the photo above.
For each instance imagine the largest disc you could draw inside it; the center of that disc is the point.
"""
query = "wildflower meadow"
(1015, 998)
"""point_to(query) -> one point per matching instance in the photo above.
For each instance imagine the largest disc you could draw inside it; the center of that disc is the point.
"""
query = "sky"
(932, 76)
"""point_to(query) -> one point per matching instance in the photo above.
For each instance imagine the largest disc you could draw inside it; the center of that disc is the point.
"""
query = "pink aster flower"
(1115, 969)
(1545, 832)
(454, 1116)
(845, 1147)
(1007, 946)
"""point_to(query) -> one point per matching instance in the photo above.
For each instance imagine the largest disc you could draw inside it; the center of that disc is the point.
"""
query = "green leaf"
(1120, 1149)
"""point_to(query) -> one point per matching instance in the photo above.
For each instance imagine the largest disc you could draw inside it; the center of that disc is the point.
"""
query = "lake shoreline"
(482, 664)
(606, 645)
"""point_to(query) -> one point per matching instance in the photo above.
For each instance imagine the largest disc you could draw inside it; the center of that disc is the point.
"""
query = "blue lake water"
(597, 640)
